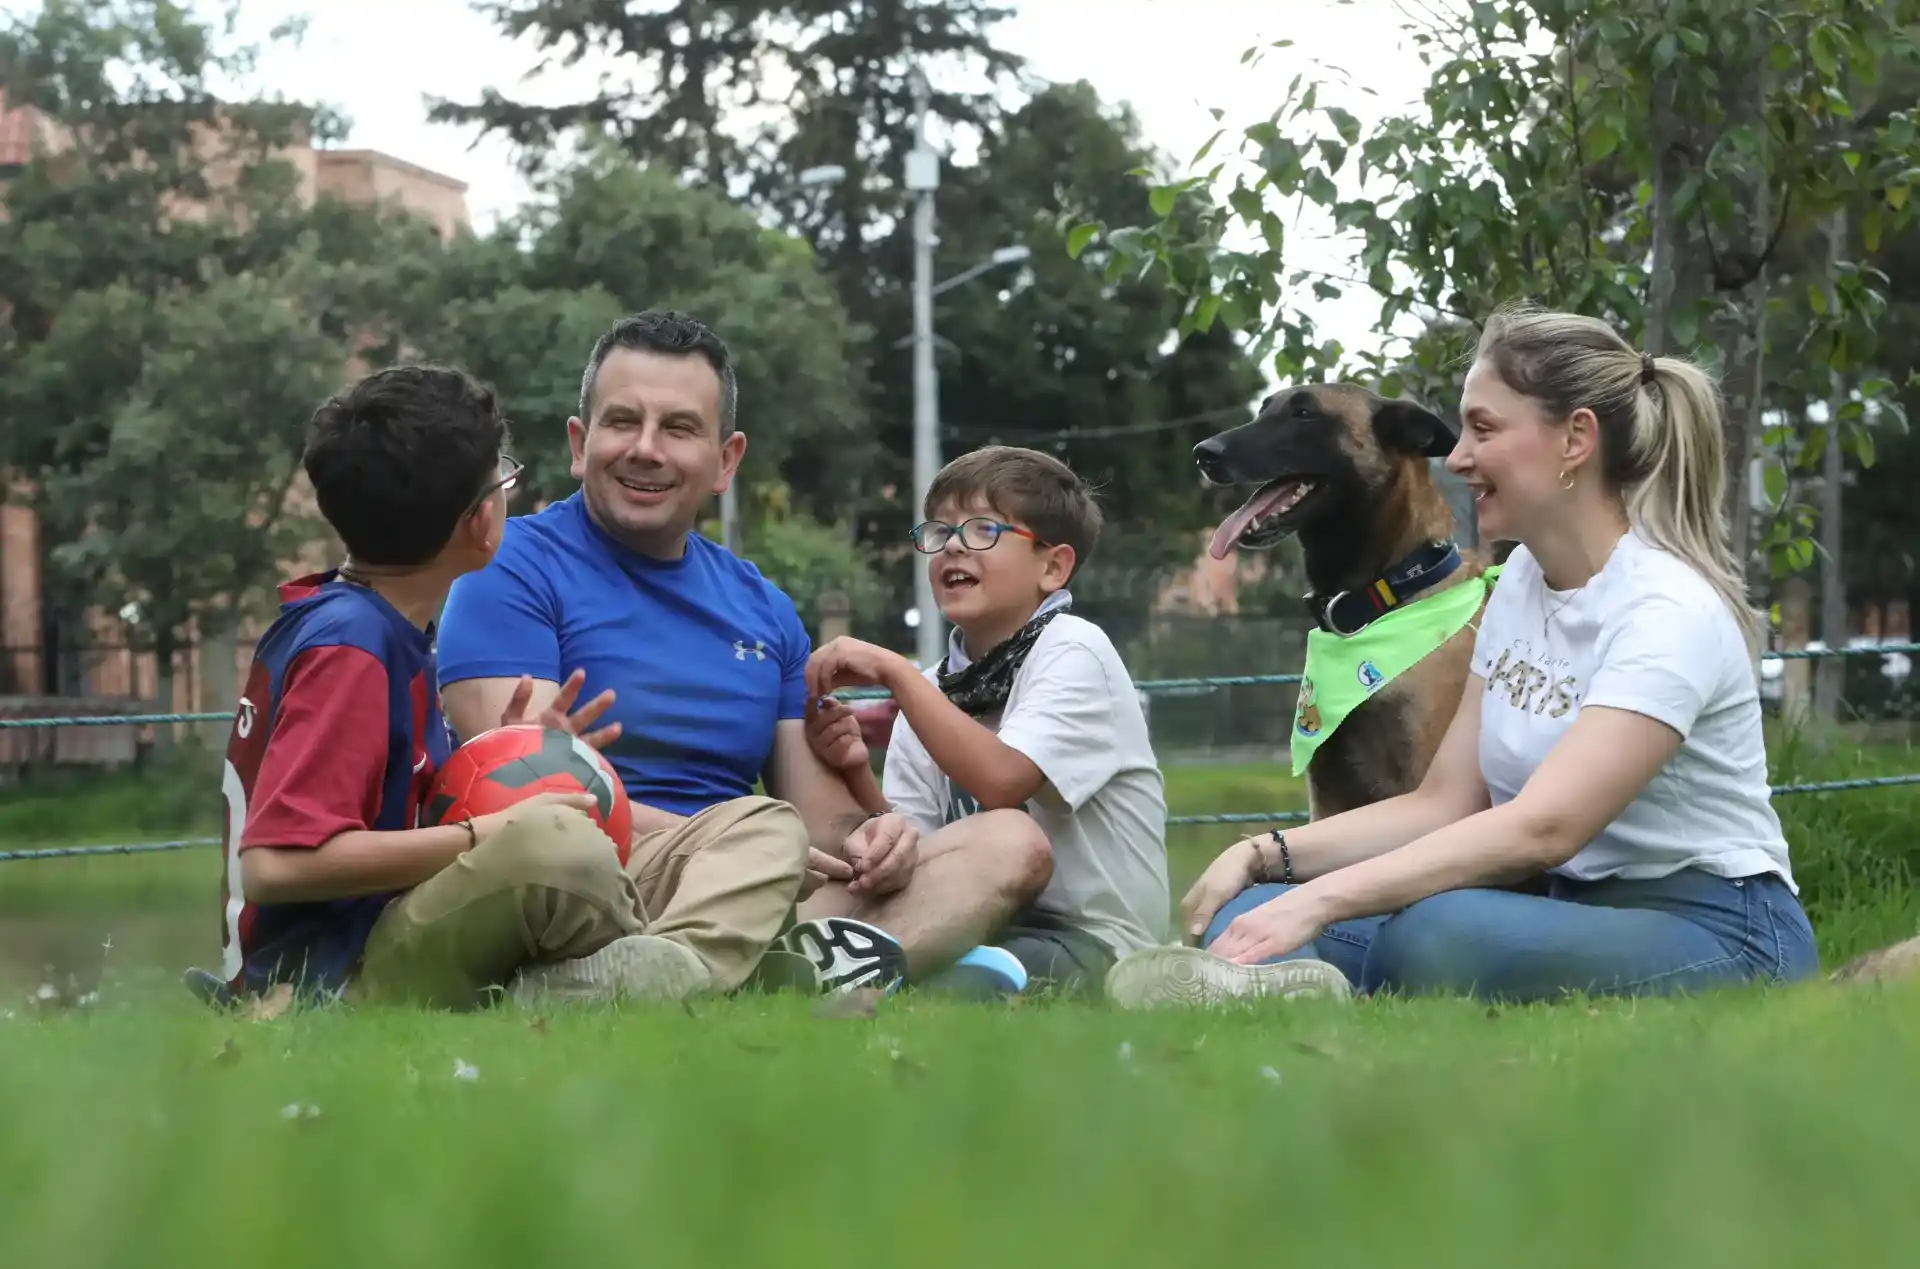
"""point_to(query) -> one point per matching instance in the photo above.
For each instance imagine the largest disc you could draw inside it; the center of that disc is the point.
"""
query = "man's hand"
(555, 714)
(883, 853)
(833, 732)
(847, 662)
(822, 868)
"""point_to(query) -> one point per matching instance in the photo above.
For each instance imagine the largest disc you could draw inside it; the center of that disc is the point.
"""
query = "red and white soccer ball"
(501, 768)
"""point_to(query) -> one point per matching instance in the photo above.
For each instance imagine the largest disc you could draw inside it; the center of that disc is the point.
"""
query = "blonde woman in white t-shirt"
(1610, 733)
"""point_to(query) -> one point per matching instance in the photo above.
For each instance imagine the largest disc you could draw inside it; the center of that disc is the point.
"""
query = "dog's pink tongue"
(1230, 530)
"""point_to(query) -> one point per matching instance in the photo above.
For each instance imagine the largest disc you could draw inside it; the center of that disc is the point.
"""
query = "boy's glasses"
(977, 534)
(509, 476)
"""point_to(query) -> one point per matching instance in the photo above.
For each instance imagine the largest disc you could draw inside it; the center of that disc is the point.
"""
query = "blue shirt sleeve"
(796, 647)
(501, 622)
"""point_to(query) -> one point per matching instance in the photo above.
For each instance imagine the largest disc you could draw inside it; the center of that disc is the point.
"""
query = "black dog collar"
(1351, 611)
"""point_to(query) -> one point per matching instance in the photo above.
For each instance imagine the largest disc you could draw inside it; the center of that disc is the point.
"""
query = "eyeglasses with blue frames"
(977, 534)
(508, 476)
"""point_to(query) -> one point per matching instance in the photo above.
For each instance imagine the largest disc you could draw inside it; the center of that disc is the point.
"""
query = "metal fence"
(1153, 690)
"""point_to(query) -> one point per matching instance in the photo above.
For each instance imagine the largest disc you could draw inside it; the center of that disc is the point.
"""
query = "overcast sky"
(377, 60)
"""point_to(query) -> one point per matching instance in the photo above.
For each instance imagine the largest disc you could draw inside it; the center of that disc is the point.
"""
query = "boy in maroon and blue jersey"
(338, 733)
(333, 886)
(340, 685)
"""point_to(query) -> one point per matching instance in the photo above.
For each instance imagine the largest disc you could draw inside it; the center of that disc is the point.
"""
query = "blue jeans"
(1678, 934)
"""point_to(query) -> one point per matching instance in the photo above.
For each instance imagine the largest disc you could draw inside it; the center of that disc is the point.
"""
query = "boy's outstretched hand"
(847, 662)
(555, 714)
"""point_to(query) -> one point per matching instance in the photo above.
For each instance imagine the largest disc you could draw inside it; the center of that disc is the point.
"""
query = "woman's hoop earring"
(1566, 480)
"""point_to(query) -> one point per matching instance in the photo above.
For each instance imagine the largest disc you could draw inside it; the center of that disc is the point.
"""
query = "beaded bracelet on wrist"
(1264, 872)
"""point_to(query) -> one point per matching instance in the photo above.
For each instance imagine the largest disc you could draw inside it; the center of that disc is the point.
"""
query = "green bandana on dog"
(1344, 671)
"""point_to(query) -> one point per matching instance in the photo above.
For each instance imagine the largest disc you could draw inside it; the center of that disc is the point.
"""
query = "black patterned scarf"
(982, 686)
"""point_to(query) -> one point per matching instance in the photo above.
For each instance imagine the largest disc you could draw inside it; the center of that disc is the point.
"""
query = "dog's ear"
(1413, 429)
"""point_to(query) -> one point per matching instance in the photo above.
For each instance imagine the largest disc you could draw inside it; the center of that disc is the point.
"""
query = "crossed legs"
(973, 876)
(544, 905)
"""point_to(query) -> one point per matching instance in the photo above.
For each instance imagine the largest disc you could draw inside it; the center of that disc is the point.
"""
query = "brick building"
(30, 648)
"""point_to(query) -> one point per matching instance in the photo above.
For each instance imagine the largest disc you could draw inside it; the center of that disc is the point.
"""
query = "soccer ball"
(500, 768)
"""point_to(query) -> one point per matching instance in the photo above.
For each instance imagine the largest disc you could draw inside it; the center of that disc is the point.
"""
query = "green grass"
(1755, 1129)
(1751, 1128)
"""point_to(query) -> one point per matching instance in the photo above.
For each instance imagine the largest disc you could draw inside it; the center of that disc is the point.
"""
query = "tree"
(127, 85)
(1554, 167)
(523, 306)
(174, 309)
(693, 97)
(187, 507)
(810, 559)
(604, 238)
(1068, 362)
(1059, 358)
(697, 78)
(1883, 517)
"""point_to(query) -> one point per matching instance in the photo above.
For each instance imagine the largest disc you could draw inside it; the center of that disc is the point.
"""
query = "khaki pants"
(548, 886)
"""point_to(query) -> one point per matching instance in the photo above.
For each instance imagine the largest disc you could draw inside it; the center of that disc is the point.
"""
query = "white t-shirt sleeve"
(1663, 658)
(911, 782)
(1063, 720)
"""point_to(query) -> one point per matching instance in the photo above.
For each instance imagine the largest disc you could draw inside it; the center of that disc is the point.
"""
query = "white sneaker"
(1192, 976)
(635, 967)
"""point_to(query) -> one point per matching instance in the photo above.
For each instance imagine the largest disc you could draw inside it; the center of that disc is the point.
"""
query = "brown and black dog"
(1345, 470)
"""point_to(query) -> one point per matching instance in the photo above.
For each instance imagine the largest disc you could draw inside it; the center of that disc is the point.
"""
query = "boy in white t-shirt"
(1031, 710)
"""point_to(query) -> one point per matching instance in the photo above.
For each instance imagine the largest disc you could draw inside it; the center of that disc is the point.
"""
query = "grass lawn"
(1755, 1128)
(1758, 1129)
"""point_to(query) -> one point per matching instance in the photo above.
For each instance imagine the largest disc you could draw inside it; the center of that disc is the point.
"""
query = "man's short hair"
(1037, 490)
(673, 334)
(398, 459)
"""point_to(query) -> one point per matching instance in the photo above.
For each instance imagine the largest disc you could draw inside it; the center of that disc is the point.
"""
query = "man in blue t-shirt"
(707, 659)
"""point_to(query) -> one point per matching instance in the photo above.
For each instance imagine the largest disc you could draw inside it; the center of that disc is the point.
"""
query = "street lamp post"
(923, 177)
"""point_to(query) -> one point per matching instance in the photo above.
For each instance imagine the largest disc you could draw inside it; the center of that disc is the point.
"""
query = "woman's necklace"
(1549, 608)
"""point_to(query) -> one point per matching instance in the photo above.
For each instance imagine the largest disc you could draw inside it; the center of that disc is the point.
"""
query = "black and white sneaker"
(847, 954)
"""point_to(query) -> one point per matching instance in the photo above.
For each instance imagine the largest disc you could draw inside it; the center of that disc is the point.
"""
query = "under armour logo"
(741, 651)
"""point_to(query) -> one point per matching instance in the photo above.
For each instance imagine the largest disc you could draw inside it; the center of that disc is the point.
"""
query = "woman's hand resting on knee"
(1276, 927)
(1236, 869)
